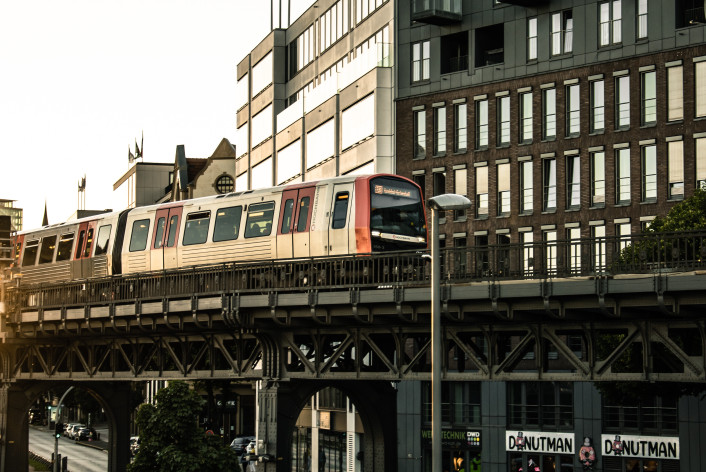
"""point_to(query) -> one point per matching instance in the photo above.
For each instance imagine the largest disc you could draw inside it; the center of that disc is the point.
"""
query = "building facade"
(7, 208)
(315, 99)
(560, 120)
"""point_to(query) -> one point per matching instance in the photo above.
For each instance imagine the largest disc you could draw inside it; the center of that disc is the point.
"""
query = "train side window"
(30, 255)
(160, 233)
(138, 238)
(173, 225)
(66, 243)
(79, 246)
(196, 229)
(227, 223)
(46, 254)
(103, 238)
(89, 243)
(259, 222)
(340, 210)
(303, 217)
(287, 216)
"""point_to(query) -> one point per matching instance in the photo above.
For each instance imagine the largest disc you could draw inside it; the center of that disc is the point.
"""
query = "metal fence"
(644, 253)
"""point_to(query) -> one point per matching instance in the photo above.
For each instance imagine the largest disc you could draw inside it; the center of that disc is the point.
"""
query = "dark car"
(86, 434)
(239, 445)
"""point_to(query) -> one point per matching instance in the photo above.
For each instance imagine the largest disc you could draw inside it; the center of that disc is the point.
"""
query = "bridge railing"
(607, 256)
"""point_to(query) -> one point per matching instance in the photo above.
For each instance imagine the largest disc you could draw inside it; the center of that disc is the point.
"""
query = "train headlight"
(375, 234)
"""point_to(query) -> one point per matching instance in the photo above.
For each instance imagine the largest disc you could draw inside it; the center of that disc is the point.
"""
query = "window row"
(578, 171)
(58, 248)
(546, 103)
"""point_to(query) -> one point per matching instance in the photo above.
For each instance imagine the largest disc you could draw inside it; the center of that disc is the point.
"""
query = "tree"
(671, 241)
(170, 440)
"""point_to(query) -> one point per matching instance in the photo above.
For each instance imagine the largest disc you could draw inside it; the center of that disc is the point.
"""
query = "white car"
(74, 429)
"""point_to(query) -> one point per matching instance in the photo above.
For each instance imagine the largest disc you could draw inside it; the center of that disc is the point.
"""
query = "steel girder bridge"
(563, 312)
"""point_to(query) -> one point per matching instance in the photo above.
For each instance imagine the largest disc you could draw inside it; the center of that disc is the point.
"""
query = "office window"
(481, 124)
(649, 97)
(701, 163)
(439, 182)
(549, 113)
(599, 247)
(482, 192)
(549, 183)
(623, 231)
(420, 133)
(641, 19)
(421, 180)
(610, 25)
(301, 51)
(573, 110)
(675, 151)
(262, 174)
(365, 8)
(649, 173)
(289, 162)
(420, 61)
(531, 39)
(622, 176)
(562, 33)
(550, 251)
(597, 106)
(241, 182)
(460, 188)
(262, 126)
(333, 24)
(358, 122)
(675, 93)
(573, 182)
(700, 92)
(527, 195)
(503, 189)
(574, 237)
(526, 117)
(598, 178)
(503, 112)
(646, 415)
(460, 127)
(527, 240)
(622, 102)
(320, 144)
(439, 131)
(262, 74)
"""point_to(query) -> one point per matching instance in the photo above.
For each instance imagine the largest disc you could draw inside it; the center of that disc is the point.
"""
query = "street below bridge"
(82, 456)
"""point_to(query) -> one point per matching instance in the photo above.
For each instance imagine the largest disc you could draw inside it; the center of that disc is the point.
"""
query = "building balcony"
(437, 12)
(526, 3)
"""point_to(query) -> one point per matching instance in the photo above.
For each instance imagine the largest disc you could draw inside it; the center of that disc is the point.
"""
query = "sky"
(82, 80)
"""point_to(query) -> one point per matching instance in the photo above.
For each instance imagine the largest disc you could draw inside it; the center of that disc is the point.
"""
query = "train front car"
(397, 219)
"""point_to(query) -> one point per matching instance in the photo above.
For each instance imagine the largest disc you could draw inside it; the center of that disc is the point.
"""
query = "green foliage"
(667, 243)
(170, 439)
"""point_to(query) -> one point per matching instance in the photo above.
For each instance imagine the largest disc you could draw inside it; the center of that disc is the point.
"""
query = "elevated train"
(337, 216)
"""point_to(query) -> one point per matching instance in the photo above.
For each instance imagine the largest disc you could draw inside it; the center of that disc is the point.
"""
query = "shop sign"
(651, 447)
(454, 438)
(537, 441)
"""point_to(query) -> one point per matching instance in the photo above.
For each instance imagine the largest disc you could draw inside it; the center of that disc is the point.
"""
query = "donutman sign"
(651, 447)
(537, 441)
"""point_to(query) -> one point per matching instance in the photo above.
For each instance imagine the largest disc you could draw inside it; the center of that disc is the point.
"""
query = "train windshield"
(396, 215)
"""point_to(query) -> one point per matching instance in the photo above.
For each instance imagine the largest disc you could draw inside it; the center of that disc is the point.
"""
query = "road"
(82, 458)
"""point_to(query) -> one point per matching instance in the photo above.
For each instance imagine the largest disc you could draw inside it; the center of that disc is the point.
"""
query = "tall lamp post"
(445, 202)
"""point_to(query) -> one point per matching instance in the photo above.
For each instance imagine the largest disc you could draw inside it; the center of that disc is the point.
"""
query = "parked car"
(74, 429)
(86, 434)
(67, 427)
(240, 444)
(134, 444)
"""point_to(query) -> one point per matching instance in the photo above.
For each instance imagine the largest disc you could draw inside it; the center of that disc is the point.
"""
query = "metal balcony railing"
(437, 12)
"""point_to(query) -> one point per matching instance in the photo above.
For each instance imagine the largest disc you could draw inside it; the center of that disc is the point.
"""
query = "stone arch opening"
(375, 403)
(113, 397)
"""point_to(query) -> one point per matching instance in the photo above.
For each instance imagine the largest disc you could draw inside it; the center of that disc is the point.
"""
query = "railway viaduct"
(360, 325)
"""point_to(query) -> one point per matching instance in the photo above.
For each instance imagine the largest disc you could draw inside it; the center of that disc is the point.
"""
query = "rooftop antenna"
(82, 193)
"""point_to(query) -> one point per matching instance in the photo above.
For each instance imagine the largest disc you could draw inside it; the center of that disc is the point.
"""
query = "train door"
(295, 221)
(83, 263)
(341, 221)
(163, 253)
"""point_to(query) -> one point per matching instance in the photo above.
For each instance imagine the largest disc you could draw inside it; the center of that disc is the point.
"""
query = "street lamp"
(445, 202)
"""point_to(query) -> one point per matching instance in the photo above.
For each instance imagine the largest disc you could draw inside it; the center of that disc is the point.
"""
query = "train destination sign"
(538, 441)
(392, 191)
(651, 447)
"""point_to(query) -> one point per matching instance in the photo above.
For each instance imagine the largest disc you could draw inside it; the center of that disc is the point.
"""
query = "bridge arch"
(18, 397)
(376, 402)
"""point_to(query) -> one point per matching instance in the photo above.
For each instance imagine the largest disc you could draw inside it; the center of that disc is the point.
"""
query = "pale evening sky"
(80, 80)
